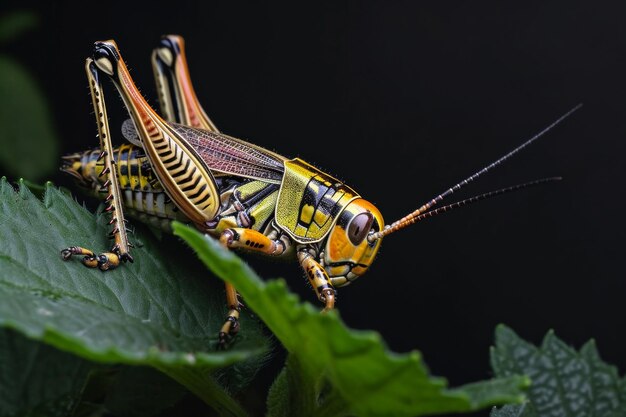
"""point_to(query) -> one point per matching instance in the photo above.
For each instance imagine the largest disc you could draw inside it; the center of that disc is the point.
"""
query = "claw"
(66, 254)
(126, 257)
(222, 340)
(328, 298)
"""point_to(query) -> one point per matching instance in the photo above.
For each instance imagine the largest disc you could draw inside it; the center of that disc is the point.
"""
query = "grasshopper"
(179, 166)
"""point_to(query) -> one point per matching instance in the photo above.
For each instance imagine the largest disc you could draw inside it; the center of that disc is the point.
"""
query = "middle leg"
(242, 238)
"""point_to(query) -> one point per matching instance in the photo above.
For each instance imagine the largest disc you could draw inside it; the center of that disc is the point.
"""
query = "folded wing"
(227, 155)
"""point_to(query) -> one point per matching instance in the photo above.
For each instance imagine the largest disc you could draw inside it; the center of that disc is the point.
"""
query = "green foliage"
(15, 23)
(333, 370)
(152, 313)
(565, 382)
(38, 380)
(28, 142)
(75, 341)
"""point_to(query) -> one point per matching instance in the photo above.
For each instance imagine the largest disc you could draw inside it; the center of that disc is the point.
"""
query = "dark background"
(401, 100)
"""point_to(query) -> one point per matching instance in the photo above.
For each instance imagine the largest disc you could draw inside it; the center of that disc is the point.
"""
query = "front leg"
(318, 278)
(237, 238)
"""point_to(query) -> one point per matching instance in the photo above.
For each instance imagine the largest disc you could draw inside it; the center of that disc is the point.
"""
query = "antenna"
(474, 199)
(401, 223)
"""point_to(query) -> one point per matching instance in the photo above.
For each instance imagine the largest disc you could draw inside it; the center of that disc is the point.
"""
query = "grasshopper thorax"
(348, 253)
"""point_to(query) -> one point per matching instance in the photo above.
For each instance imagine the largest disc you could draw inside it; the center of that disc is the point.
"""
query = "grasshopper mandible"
(181, 166)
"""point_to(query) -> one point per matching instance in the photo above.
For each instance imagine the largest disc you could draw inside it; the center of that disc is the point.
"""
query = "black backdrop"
(401, 100)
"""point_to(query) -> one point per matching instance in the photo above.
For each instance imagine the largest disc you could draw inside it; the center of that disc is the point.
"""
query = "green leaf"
(353, 371)
(38, 380)
(28, 143)
(150, 313)
(565, 382)
(15, 23)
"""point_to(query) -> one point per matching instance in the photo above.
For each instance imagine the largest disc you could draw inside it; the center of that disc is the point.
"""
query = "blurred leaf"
(333, 370)
(28, 142)
(15, 23)
(38, 380)
(564, 382)
(149, 313)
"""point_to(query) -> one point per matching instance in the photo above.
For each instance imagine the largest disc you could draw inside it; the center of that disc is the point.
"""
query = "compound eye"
(359, 227)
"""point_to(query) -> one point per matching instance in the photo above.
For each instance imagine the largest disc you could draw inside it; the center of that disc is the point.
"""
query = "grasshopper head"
(348, 253)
